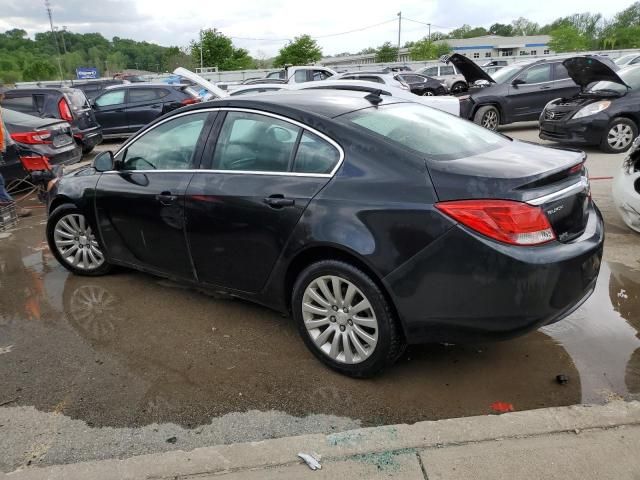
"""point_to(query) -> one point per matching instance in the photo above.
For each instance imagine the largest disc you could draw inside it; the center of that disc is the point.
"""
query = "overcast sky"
(177, 22)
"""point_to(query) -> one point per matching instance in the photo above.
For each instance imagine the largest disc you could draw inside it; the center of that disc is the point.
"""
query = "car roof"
(147, 84)
(42, 90)
(297, 104)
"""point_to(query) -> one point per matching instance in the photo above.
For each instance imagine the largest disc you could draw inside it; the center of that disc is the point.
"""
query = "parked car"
(35, 136)
(300, 74)
(629, 59)
(515, 93)
(606, 112)
(374, 222)
(495, 63)
(93, 88)
(385, 78)
(125, 109)
(398, 68)
(626, 188)
(68, 104)
(448, 74)
(423, 85)
(493, 69)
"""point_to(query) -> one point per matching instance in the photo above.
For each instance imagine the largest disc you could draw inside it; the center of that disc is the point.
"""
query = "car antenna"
(374, 97)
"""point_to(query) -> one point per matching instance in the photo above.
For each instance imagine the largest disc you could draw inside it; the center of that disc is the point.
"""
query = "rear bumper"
(467, 288)
(88, 138)
(67, 156)
(583, 131)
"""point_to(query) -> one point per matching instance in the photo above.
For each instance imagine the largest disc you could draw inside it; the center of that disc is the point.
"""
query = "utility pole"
(47, 5)
(399, 30)
(201, 54)
(429, 32)
(64, 45)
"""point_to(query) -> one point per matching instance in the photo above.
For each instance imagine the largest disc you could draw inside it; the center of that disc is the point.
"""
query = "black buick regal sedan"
(374, 222)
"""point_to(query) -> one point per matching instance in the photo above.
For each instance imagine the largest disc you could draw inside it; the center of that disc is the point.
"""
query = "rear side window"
(315, 155)
(559, 72)
(427, 131)
(447, 70)
(142, 95)
(431, 71)
(22, 104)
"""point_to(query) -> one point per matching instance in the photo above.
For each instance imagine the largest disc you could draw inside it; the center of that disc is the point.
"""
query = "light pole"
(399, 30)
(429, 32)
(201, 54)
(55, 39)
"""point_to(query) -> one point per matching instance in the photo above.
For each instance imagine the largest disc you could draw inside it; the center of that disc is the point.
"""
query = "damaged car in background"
(606, 112)
(626, 188)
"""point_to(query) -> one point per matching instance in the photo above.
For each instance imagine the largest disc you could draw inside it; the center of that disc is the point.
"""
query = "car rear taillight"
(507, 221)
(64, 110)
(32, 138)
(190, 101)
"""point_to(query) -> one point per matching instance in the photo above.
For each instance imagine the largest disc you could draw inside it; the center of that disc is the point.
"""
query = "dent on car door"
(140, 205)
(241, 212)
(527, 99)
(110, 111)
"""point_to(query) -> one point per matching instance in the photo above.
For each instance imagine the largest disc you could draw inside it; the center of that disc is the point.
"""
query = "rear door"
(526, 100)
(144, 105)
(110, 111)
(262, 172)
(140, 206)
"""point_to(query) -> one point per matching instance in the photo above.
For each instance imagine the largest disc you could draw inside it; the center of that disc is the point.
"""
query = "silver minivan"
(447, 74)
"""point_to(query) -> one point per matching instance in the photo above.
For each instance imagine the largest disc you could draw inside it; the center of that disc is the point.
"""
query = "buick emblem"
(551, 115)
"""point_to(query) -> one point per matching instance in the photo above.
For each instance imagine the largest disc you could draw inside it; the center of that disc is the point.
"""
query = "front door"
(140, 206)
(110, 111)
(240, 214)
(526, 100)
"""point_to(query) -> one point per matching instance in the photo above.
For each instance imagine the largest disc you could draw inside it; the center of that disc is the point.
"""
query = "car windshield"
(625, 59)
(630, 76)
(505, 73)
(428, 131)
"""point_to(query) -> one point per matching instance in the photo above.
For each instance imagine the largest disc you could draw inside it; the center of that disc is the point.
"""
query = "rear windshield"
(435, 134)
(77, 99)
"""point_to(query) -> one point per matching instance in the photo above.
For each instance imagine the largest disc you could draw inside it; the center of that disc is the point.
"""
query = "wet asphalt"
(130, 350)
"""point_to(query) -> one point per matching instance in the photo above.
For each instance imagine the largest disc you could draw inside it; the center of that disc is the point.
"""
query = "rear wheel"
(459, 87)
(74, 243)
(345, 319)
(487, 116)
(619, 135)
(428, 93)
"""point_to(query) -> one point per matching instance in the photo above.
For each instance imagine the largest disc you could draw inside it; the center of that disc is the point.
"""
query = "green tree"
(301, 51)
(568, 39)
(386, 53)
(523, 26)
(629, 17)
(501, 29)
(460, 32)
(435, 36)
(39, 70)
(218, 51)
(426, 50)
(367, 51)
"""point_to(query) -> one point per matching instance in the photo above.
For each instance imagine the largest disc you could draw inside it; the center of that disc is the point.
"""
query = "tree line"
(26, 59)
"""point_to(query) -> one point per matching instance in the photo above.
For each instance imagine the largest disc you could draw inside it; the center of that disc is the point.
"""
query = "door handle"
(165, 198)
(119, 110)
(278, 201)
(155, 106)
(548, 87)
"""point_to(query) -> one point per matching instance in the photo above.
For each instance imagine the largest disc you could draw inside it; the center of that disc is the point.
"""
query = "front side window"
(255, 143)
(115, 97)
(427, 131)
(169, 146)
(320, 75)
(315, 155)
(430, 72)
(537, 74)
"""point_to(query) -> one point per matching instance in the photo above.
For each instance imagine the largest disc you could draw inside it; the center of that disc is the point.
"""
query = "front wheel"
(619, 135)
(488, 117)
(459, 87)
(345, 319)
(428, 93)
(74, 243)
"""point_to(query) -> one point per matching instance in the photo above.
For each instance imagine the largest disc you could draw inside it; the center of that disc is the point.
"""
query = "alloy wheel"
(490, 120)
(340, 319)
(76, 242)
(428, 93)
(620, 136)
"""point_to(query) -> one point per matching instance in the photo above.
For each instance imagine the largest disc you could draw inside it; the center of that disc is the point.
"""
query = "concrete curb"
(282, 451)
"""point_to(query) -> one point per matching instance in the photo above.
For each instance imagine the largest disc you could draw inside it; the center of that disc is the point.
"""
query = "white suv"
(376, 77)
(447, 74)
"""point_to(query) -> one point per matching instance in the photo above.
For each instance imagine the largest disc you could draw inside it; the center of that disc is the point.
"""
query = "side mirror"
(104, 162)
(518, 81)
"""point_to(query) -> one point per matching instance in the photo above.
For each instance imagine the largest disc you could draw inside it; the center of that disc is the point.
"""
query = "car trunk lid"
(554, 180)
(81, 109)
(588, 69)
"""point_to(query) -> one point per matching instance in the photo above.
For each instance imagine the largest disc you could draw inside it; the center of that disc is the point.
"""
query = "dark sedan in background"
(124, 109)
(374, 222)
(67, 104)
(35, 136)
(605, 113)
(422, 85)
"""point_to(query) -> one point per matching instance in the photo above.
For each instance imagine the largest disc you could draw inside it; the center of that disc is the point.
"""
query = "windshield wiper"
(610, 90)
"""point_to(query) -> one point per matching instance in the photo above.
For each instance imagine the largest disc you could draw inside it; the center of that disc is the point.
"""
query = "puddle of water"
(129, 350)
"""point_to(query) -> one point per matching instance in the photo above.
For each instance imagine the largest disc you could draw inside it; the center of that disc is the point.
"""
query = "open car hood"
(587, 69)
(217, 92)
(468, 68)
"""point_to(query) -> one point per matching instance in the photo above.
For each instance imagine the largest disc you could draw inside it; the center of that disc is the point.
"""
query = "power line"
(426, 23)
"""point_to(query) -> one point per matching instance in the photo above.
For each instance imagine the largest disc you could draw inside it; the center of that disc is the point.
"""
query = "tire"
(67, 224)
(619, 135)
(488, 117)
(459, 87)
(428, 93)
(372, 356)
(87, 149)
